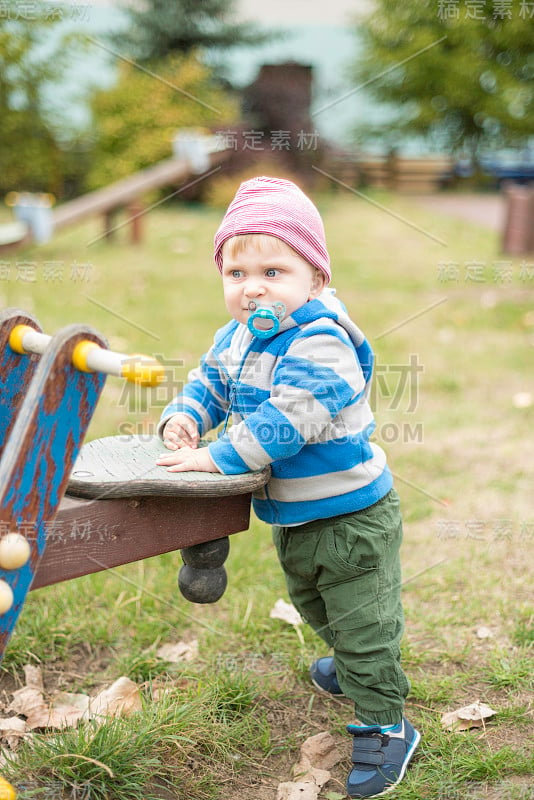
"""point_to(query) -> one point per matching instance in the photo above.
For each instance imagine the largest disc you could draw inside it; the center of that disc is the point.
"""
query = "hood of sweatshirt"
(328, 306)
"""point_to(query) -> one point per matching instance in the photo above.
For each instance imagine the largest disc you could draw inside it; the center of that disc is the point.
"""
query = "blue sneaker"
(323, 675)
(380, 756)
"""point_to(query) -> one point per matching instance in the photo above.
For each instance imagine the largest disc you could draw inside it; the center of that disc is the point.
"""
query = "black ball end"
(202, 585)
(207, 555)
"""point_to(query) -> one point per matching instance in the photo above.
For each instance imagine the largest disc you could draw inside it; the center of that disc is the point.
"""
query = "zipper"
(233, 392)
(234, 384)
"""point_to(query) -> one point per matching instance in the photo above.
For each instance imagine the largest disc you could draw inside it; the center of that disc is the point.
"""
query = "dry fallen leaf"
(34, 677)
(174, 652)
(317, 754)
(471, 716)
(286, 612)
(305, 773)
(29, 703)
(65, 711)
(321, 750)
(12, 731)
(69, 708)
(121, 698)
(302, 790)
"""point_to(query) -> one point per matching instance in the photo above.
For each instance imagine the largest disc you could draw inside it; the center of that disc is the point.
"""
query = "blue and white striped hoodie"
(299, 402)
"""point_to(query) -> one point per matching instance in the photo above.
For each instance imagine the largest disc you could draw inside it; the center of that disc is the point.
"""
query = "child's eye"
(271, 273)
(236, 274)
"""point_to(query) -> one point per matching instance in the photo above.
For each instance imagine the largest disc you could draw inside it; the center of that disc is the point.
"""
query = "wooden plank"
(13, 234)
(40, 453)
(16, 370)
(125, 466)
(123, 192)
(88, 536)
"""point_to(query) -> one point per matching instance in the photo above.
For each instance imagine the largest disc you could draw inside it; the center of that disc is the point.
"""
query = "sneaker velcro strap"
(368, 750)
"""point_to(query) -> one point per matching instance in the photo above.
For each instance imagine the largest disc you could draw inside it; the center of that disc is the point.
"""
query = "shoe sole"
(325, 691)
(409, 755)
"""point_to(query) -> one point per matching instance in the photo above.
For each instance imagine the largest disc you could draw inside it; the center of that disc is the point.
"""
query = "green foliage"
(154, 749)
(136, 120)
(511, 669)
(459, 81)
(160, 28)
(524, 629)
(31, 156)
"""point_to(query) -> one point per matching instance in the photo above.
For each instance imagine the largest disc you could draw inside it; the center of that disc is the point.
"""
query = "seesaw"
(118, 506)
(68, 511)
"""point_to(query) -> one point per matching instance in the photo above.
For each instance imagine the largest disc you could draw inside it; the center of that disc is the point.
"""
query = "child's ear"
(318, 284)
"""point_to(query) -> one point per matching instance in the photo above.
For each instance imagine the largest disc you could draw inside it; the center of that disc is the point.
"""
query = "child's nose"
(254, 288)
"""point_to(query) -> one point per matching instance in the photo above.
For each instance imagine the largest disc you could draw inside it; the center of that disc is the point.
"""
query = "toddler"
(293, 372)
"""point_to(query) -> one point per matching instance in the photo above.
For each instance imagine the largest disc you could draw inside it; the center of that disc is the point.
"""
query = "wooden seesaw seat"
(68, 510)
(125, 466)
(121, 507)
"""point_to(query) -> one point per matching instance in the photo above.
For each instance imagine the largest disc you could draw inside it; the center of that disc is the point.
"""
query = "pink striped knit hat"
(279, 208)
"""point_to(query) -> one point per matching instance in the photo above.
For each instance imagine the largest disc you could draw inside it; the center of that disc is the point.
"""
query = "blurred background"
(427, 97)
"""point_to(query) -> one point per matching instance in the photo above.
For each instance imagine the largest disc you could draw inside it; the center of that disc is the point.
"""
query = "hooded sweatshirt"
(298, 402)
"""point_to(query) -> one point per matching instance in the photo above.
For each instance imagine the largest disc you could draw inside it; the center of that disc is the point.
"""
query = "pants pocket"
(356, 546)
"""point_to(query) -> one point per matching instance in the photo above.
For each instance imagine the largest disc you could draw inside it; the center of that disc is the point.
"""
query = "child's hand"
(181, 431)
(188, 458)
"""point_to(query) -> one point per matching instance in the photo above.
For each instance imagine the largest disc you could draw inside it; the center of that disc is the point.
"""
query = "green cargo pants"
(343, 575)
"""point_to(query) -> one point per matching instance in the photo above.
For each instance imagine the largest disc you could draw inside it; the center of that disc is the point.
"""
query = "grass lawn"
(452, 325)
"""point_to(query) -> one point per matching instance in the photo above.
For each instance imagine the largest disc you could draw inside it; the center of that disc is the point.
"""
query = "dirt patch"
(293, 719)
(514, 788)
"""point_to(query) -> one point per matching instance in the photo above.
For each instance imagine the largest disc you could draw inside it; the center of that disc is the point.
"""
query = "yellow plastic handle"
(7, 792)
(80, 353)
(144, 370)
(15, 342)
(88, 356)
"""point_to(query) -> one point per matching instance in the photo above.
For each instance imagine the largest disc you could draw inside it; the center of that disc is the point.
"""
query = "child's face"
(270, 274)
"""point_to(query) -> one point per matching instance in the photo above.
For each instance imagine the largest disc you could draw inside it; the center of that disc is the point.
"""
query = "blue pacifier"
(264, 320)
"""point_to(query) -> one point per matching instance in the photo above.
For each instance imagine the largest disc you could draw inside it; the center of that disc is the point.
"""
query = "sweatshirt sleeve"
(317, 377)
(204, 397)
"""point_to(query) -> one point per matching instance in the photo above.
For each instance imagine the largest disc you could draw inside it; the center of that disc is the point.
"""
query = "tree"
(28, 154)
(160, 27)
(136, 120)
(457, 73)
(31, 155)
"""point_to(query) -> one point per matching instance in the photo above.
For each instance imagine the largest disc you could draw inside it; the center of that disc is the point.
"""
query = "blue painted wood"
(40, 453)
(16, 370)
